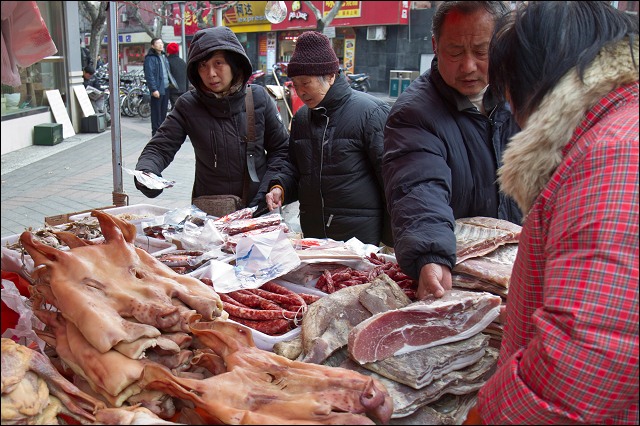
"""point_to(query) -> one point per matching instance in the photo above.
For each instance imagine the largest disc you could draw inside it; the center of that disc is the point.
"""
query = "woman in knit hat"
(335, 151)
(178, 68)
(214, 116)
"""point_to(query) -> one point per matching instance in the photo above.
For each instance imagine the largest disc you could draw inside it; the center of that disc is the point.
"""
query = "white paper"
(150, 180)
(59, 110)
(83, 100)
(259, 259)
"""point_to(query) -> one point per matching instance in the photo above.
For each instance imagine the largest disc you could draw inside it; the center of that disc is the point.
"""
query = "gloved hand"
(150, 193)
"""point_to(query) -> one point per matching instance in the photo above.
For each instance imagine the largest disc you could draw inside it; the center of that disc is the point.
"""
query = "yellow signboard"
(349, 9)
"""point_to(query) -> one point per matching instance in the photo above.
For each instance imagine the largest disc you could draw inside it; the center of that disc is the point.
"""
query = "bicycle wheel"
(134, 98)
(124, 105)
(144, 109)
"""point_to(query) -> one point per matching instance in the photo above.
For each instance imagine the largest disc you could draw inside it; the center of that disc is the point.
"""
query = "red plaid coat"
(570, 344)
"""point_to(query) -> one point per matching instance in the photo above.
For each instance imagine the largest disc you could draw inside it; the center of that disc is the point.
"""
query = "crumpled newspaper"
(150, 180)
(23, 330)
(259, 258)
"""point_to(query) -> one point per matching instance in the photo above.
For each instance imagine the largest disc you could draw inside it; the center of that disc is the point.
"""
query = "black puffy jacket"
(217, 129)
(335, 152)
(439, 164)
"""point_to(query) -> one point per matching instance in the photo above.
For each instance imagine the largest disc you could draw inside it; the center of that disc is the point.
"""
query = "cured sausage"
(253, 300)
(310, 298)
(278, 289)
(226, 299)
(270, 327)
(257, 314)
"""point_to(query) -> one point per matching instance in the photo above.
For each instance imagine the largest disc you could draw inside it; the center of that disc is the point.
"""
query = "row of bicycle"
(134, 97)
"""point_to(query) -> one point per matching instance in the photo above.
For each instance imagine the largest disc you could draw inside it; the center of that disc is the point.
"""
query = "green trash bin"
(394, 83)
(399, 80)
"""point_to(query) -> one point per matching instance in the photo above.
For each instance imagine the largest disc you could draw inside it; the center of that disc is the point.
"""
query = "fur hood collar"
(534, 154)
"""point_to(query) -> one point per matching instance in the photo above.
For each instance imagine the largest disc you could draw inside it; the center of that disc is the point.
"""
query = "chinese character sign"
(349, 9)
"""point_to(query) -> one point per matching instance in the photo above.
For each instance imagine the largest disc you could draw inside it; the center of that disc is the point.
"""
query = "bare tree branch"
(97, 17)
(324, 21)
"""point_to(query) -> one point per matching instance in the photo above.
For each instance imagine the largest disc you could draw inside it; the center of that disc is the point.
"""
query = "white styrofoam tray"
(154, 246)
(264, 341)
(147, 210)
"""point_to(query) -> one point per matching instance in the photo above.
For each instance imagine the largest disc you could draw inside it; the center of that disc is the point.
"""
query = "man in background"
(178, 69)
(158, 77)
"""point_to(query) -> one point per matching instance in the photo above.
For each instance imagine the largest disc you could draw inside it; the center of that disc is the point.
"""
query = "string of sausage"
(272, 309)
(332, 281)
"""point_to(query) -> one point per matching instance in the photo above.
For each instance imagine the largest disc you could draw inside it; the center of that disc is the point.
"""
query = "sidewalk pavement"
(41, 181)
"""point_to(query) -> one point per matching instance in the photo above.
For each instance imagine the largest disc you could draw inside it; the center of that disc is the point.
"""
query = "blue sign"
(127, 38)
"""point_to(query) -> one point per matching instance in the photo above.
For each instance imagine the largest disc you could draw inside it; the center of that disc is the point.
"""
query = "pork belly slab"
(494, 267)
(458, 315)
(419, 368)
(477, 236)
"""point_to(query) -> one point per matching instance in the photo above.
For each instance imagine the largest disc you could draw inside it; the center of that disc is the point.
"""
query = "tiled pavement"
(78, 174)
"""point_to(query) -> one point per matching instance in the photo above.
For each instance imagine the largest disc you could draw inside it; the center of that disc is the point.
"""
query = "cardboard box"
(59, 219)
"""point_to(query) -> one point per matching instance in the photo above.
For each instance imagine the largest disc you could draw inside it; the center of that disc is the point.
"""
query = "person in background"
(178, 68)
(569, 351)
(213, 115)
(158, 78)
(88, 76)
(443, 142)
(335, 150)
(96, 94)
(85, 56)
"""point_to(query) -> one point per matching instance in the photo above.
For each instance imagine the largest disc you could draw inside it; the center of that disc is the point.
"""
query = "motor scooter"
(359, 82)
(279, 73)
(257, 77)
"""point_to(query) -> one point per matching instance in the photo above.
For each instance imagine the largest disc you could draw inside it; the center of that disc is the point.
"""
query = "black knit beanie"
(313, 55)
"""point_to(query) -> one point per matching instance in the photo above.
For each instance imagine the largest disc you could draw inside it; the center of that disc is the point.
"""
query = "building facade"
(58, 72)
(377, 37)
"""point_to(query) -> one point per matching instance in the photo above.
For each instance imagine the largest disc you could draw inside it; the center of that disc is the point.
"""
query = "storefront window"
(133, 57)
(48, 74)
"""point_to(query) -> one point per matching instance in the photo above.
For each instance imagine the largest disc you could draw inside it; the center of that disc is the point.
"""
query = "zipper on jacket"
(324, 142)
(214, 148)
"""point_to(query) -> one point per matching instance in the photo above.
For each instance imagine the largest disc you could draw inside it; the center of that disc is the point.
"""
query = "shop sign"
(246, 13)
(351, 14)
(349, 9)
(121, 38)
(297, 13)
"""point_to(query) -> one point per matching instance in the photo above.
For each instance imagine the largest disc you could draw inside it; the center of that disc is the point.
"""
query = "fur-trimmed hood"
(535, 153)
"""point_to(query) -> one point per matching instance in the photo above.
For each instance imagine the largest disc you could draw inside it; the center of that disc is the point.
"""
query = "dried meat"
(430, 322)
(477, 236)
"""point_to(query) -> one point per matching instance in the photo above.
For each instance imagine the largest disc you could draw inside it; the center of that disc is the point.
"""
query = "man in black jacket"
(335, 151)
(158, 77)
(443, 142)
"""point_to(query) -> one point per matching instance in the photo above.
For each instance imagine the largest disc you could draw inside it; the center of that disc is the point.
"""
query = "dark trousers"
(158, 111)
